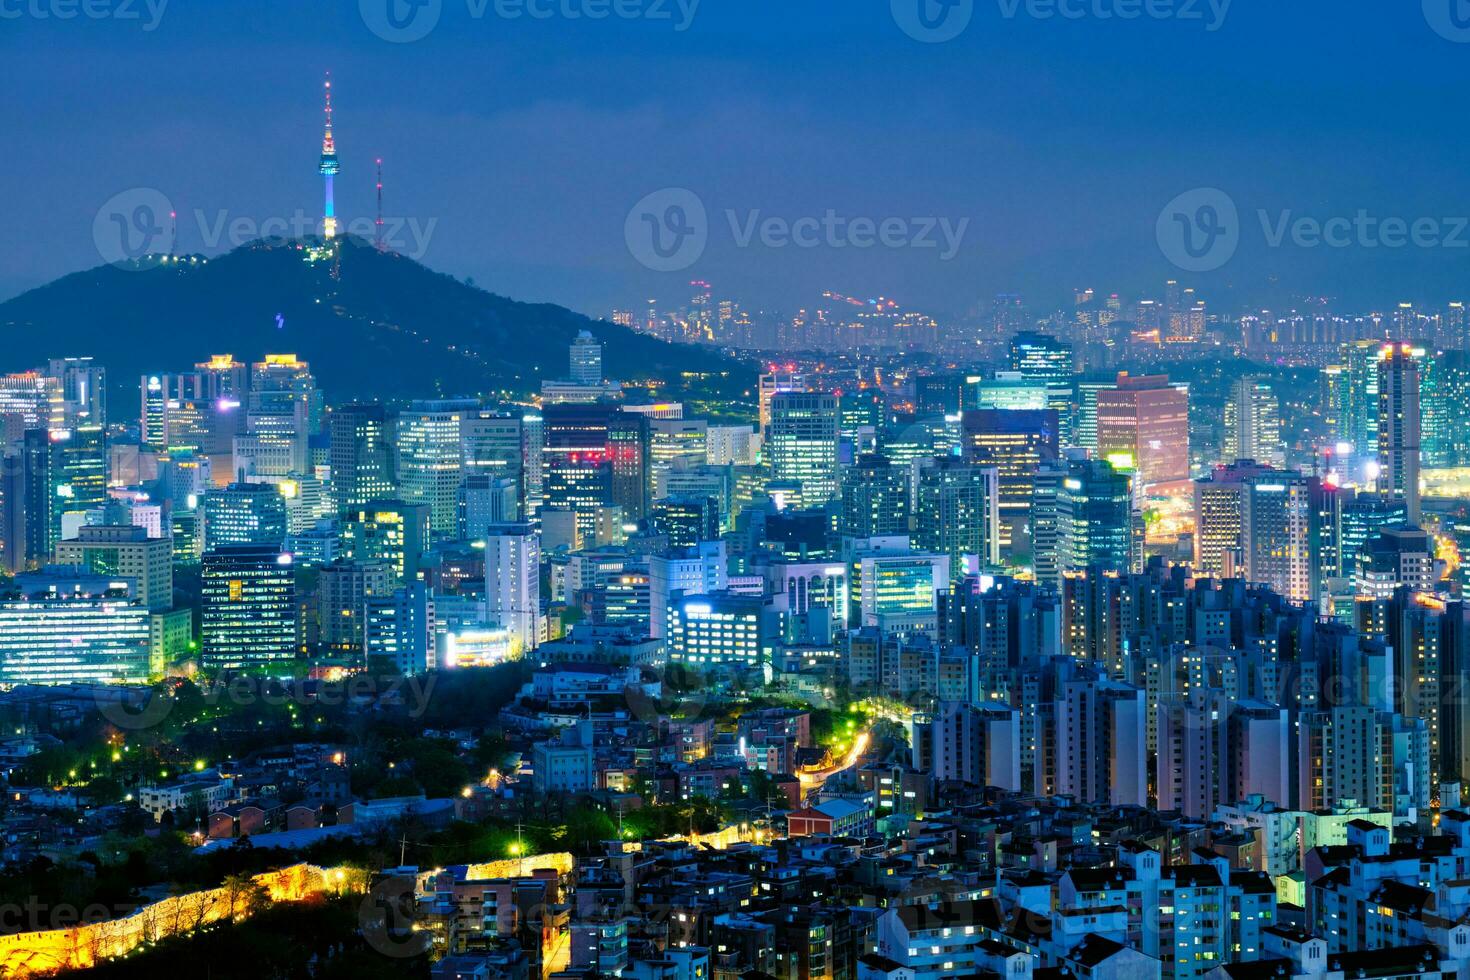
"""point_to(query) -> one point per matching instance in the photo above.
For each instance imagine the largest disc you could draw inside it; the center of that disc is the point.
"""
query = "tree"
(245, 896)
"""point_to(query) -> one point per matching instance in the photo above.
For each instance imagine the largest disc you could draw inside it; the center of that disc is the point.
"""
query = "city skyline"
(1001, 513)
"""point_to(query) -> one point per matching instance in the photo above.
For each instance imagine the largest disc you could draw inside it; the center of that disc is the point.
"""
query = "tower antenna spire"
(329, 167)
(378, 225)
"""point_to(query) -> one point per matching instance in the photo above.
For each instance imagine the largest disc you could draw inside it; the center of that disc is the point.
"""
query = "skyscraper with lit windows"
(1253, 424)
(1398, 425)
(430, 457)
(1015, 443)
(802, 443)
(361, 456)
(1095, 522)
(248, 607)
(1143, 424)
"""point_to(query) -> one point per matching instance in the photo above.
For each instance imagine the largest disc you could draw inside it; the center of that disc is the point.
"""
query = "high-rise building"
(802, 444)
(1011, 391)
(394, 531)
(91, 636)
(1350, 520)
(31, 400)
(361, 456)
(1101, 742)
(717, 631)
(957, 513)
(577, 467)
(399, 631)
(1084, 432)
(686, 521)
(248, 607)
(344, 589)
(1095, 521)
(770, 385)
(586, 360)
(1253, 424)
(1358, 426)
(65, 476)
(1014, 443)
(485, 499)
(282, 384)
(126, 551)
(83, 390)
(1219, 509)
(245, 513)
(974, 744)
(1398, 426)
(1143, 424)
(513, 583)
(1045, 522)
(1395, 558)
(875, 499)
(692, 571)
(430, 458)
(1280, 541)
(1040, 358)
(495, 443)
(631, 454)
(901, 592)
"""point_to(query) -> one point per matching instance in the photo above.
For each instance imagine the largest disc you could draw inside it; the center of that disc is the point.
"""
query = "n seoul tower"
(329, 168)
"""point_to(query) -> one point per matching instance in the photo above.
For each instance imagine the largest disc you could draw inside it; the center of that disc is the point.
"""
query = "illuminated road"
(812, 778)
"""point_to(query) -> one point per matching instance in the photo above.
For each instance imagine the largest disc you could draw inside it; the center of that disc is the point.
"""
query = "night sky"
(527, 141)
